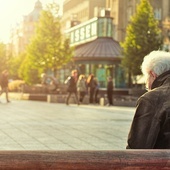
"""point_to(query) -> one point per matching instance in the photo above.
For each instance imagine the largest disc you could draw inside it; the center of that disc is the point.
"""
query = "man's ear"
(153, 74)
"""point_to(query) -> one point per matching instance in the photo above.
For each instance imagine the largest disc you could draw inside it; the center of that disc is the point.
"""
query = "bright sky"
(12, 11)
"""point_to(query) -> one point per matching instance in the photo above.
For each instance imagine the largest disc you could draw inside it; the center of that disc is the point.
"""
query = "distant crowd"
(82, 85)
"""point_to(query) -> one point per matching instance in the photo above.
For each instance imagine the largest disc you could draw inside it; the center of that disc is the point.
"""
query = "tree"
(15, 62)
(28, 73)
(3, 58)
(49, 49)
(143, 36)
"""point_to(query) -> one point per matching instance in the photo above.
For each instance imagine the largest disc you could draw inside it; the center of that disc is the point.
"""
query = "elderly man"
(150, 128)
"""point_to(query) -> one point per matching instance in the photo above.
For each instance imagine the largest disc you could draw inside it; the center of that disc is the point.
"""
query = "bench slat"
(85, 160)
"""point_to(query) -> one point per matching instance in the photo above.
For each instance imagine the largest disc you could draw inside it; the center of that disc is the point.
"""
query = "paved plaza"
(34, 125)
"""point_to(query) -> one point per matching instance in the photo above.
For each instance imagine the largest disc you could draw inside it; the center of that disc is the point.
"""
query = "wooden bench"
(85, 160)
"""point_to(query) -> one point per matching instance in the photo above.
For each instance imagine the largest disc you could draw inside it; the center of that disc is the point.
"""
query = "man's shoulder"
(156, 95)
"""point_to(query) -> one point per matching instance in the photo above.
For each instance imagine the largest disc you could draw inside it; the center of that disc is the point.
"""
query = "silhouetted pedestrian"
(96, 91)
(72, 86)
(4, 84)
(91, 87)
(110, 91)
(81, 87)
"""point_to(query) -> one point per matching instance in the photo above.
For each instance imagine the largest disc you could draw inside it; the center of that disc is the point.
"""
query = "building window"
(157, 13)
(129, 12)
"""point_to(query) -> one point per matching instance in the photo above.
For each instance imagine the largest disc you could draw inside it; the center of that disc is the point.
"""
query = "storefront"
(96, 51)
(100, 57)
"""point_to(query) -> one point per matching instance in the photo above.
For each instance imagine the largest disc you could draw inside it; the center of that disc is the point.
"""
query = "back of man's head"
(156, 61)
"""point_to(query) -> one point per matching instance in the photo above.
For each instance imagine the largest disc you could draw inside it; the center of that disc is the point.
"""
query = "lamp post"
(149, 39)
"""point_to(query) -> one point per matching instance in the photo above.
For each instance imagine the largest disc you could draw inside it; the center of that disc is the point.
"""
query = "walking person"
(91, 87)
(81, 87)
(4, 84)
(150, 127)
(96, 91)
(110, 91)
(71, 81)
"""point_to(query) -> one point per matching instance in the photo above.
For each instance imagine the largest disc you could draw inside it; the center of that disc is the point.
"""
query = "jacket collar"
(160, 79)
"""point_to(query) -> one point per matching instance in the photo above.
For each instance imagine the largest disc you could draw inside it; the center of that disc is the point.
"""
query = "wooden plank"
(85, 160)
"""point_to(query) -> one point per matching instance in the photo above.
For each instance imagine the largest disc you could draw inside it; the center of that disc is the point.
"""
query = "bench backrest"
(85, 160)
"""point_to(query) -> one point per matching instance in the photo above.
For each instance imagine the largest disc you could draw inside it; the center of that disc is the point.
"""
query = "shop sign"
(96, 27)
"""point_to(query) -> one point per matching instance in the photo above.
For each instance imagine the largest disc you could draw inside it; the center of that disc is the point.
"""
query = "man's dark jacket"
(150, 128)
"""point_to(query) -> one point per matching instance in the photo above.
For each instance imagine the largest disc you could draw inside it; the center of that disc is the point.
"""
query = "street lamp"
(149, 38)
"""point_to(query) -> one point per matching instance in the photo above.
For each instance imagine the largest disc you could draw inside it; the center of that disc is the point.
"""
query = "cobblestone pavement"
(34, 125)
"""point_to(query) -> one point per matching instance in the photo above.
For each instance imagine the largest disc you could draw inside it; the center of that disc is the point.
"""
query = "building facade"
(122, 10)
(79, 11)
(23, 31)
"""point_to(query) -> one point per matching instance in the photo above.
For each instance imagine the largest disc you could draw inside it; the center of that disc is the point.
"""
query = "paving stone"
(39, 125)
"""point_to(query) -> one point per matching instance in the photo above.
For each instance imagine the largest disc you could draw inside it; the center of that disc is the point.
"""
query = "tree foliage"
(15, 62)
(143, 36)
(3, 58)
(48, 48)
(28, 72)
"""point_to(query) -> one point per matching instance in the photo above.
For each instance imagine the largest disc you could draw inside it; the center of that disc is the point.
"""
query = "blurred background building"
(22, 33)
(79, 11)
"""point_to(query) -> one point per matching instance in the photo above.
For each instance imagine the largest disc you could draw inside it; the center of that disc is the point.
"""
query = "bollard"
(52, 98)
(102, 101)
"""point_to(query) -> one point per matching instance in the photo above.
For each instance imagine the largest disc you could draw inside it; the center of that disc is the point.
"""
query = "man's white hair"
(156, 61)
